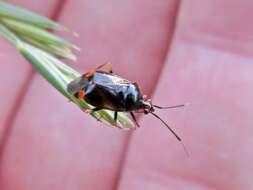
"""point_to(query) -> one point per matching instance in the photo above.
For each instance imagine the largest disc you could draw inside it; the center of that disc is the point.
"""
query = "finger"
(209, 66)
(134, 36)
(71, 145)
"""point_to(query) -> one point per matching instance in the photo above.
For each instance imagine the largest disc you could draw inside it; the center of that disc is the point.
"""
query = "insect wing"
(77, 85)
(109, 80)
(111, 84)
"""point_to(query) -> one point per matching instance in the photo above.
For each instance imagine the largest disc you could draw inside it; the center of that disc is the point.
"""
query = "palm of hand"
(199, 52)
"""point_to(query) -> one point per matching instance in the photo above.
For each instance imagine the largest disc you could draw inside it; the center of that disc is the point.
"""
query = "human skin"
(178, 51)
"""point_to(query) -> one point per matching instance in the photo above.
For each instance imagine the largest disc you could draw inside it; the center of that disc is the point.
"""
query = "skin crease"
(52, 145)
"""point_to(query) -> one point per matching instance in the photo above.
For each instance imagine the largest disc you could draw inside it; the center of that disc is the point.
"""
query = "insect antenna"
(169, 107)
(173, 132)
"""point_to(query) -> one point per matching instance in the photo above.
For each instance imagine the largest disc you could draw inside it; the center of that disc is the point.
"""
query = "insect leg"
(105, 67)
(95, 109)
(115, 116)
(137, 124)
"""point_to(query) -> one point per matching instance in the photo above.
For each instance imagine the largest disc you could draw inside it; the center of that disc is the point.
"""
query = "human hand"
(189, 51)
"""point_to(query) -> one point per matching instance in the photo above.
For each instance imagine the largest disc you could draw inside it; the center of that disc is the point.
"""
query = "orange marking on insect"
(89, 74)
(107, 67)
(81, 95)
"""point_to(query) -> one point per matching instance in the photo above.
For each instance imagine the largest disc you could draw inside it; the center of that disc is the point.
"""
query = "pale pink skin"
(199, 52)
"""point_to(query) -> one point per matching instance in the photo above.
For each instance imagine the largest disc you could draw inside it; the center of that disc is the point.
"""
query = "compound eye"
(146, 111)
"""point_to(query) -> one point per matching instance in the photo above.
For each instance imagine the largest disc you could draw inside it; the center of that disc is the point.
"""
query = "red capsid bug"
(103, 89)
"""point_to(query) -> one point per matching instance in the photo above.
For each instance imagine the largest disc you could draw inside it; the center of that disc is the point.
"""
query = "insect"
(103, 89)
